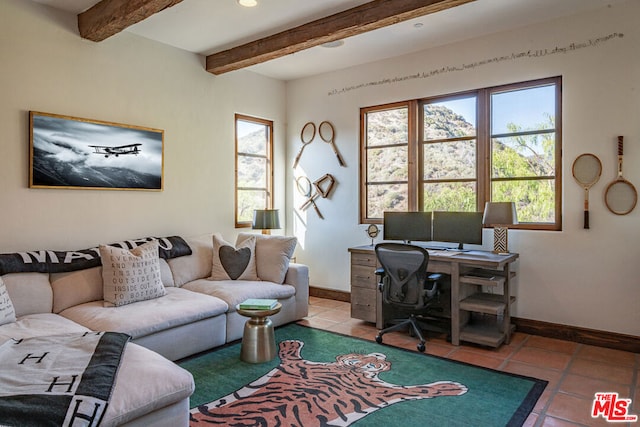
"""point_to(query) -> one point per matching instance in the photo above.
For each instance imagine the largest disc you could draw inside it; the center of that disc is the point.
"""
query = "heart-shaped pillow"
(234, 261)
(231, 263)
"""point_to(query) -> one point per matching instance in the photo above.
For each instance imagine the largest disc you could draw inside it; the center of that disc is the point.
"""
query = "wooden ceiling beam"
(361, 19)
(109, 17)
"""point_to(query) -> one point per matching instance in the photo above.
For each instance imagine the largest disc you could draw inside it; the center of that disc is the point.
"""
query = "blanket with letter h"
(59, 380)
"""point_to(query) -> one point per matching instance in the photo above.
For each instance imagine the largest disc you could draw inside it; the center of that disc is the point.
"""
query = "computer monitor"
(458, 227)
(407, 226)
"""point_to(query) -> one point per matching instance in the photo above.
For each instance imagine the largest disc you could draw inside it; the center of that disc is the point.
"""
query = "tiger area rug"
(324, 379)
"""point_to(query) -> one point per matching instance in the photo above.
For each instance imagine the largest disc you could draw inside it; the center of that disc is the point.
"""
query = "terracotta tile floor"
(575, 371)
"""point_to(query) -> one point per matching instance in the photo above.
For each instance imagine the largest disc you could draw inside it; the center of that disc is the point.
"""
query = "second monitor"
(458, 227)
(407, 226)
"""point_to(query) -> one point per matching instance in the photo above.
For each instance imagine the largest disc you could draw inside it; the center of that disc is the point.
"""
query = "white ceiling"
(209, 26)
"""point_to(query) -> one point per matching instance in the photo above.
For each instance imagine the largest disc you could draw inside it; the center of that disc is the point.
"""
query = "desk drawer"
(363, 277)
(364, 259)
(363, 304)
(435, 266)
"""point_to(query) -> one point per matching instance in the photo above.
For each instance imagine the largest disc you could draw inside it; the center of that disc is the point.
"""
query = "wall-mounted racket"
(307, 134)
(587, 169)
(620, 196)
(327, 134)
(303, 184)
(324, 185)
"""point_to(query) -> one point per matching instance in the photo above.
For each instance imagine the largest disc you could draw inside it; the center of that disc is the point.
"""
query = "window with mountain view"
(456, 152)
(449, 155)
(386, 155)
(254, 172)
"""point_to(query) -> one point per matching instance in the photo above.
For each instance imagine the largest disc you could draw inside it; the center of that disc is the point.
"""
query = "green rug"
(325, 379)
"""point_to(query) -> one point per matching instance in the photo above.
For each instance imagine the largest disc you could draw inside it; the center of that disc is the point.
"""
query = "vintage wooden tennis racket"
(586, 170)
(303, 184)
(307, 134)
(620, 196)
(327, 133)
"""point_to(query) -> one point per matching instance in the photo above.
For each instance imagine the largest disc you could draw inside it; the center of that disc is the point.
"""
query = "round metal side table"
(258, 340)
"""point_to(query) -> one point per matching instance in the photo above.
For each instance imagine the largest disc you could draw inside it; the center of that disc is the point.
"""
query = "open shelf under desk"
(484, 331)
(481, 302)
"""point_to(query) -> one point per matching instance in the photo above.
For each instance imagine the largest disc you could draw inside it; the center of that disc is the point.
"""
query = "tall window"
(386, 155)
(456, 152)
(254, 169)
(449, 178)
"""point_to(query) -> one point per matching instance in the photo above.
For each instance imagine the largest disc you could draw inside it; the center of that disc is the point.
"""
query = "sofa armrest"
(298, 277)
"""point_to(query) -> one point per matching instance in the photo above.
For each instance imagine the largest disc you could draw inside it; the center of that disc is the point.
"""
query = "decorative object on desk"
(123, 157)
(307, 134)
(500, 215)
(327, 134)
(372, 232)
(324, 185)
(303, 184)
(586, 170)
(266, 220)
(620, 196)
(258, 304)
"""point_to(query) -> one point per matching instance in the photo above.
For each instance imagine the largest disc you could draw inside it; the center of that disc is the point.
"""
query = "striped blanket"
(59, 380)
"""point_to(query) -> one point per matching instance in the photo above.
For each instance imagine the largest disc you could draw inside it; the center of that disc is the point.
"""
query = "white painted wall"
(47, 67)
(585, 278)
(577, 277)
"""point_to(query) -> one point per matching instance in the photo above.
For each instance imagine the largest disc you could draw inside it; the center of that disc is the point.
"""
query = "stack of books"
(258, 304)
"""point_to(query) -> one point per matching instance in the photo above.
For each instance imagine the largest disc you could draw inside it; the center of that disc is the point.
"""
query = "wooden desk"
(480, 286)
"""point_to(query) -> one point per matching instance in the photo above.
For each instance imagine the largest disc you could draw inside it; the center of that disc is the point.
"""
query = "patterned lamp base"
(500, 240)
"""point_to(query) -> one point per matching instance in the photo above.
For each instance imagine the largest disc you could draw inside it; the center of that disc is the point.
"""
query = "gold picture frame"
(75, 153)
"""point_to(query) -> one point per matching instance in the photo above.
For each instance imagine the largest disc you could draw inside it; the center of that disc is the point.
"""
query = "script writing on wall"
(525, 54)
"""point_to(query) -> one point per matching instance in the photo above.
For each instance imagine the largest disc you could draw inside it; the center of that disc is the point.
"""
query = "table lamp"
(500, 215)
(265, 220)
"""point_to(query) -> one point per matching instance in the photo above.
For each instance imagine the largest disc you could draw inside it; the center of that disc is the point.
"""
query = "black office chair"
(406, 286)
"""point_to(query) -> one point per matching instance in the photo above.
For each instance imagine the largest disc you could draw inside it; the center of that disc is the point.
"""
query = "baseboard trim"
(535, 327)
(580, 335)
(329, 294)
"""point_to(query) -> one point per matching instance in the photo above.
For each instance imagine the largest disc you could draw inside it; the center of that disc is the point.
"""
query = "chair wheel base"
(379, 339)
(421, 347)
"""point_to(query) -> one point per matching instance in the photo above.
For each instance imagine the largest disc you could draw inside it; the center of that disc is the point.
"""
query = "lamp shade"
(500, 214)
(266, 219)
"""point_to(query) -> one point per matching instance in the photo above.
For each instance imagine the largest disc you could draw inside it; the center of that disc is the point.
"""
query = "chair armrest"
(380, 273)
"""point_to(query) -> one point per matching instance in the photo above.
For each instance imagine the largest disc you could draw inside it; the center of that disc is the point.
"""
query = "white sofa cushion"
(194, 266)
(131, 275)
(37, 325)
(146, 382)
(235, 263)
(178, 307)
(78, 287)
(273, 254)
(7, 312)
(30, 292)
(233, 292)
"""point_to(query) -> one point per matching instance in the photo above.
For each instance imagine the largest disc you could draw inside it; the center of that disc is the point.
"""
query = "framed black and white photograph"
(70, 152)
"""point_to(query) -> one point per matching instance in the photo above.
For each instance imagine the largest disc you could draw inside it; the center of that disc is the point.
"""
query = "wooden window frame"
(483, 148)
(269, 166)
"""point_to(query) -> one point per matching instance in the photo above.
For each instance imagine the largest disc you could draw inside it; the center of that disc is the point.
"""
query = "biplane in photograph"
(116, 151)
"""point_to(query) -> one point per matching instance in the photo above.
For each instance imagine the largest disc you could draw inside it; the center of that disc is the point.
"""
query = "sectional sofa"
(196, 312)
